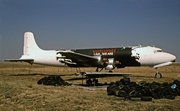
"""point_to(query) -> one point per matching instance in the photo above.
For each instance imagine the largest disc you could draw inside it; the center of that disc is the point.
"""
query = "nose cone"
(171, 57)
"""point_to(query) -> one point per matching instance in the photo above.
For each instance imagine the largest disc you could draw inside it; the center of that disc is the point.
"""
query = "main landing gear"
(93, 82)
(97, 69)
(158, 75)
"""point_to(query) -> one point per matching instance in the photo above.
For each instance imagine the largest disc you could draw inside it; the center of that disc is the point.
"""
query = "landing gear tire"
(89, 82)
(110, 71)
(158, 75)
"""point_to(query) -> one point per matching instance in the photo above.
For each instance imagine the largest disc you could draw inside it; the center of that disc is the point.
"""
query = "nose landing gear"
(158, 75)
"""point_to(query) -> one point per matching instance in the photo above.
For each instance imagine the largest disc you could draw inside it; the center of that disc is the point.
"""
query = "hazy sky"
(68, 24)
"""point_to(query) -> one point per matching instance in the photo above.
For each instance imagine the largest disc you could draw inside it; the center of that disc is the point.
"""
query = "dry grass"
(19, 90)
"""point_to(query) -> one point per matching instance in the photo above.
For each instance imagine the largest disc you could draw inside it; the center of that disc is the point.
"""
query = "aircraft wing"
(79, 59)
(30, 61)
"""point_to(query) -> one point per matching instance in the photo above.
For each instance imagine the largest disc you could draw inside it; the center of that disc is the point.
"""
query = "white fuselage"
(152, 56)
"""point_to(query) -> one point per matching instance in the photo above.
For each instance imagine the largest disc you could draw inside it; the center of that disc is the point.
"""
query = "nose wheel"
(158, 75)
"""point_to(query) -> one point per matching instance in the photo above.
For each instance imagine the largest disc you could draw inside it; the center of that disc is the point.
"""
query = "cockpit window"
(155, 51)
(159, 51)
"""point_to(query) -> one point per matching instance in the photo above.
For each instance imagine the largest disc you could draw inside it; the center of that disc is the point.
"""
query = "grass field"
(19, 90)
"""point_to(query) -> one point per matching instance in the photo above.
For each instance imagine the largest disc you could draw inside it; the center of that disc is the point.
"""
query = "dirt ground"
(19, 90)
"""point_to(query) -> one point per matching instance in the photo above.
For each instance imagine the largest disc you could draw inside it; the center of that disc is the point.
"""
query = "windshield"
(155, 51)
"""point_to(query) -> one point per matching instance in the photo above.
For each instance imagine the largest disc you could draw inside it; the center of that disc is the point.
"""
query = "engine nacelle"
(110, 64)
(110, 61)
(100, 61)
(107, 63)
(109, 67)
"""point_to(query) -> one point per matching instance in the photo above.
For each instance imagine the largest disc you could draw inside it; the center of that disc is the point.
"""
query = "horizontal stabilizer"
(30, 61)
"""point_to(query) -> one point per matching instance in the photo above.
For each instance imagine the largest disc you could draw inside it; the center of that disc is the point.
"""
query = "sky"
(74, 24)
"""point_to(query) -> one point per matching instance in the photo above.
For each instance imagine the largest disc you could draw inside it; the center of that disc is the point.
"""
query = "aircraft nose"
(172, 57)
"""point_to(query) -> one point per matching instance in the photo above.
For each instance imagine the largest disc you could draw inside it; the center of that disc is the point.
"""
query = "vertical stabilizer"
(30, 46)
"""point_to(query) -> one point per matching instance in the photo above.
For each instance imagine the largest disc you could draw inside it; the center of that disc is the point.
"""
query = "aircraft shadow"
(40, 74)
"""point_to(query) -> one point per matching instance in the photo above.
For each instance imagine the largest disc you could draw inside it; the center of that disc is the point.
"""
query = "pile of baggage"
(146, 91)
(54, 80)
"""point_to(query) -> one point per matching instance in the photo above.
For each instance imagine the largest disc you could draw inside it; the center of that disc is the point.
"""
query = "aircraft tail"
(30, 46)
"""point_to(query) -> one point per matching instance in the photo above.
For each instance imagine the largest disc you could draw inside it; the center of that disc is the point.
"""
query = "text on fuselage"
(104, 51)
